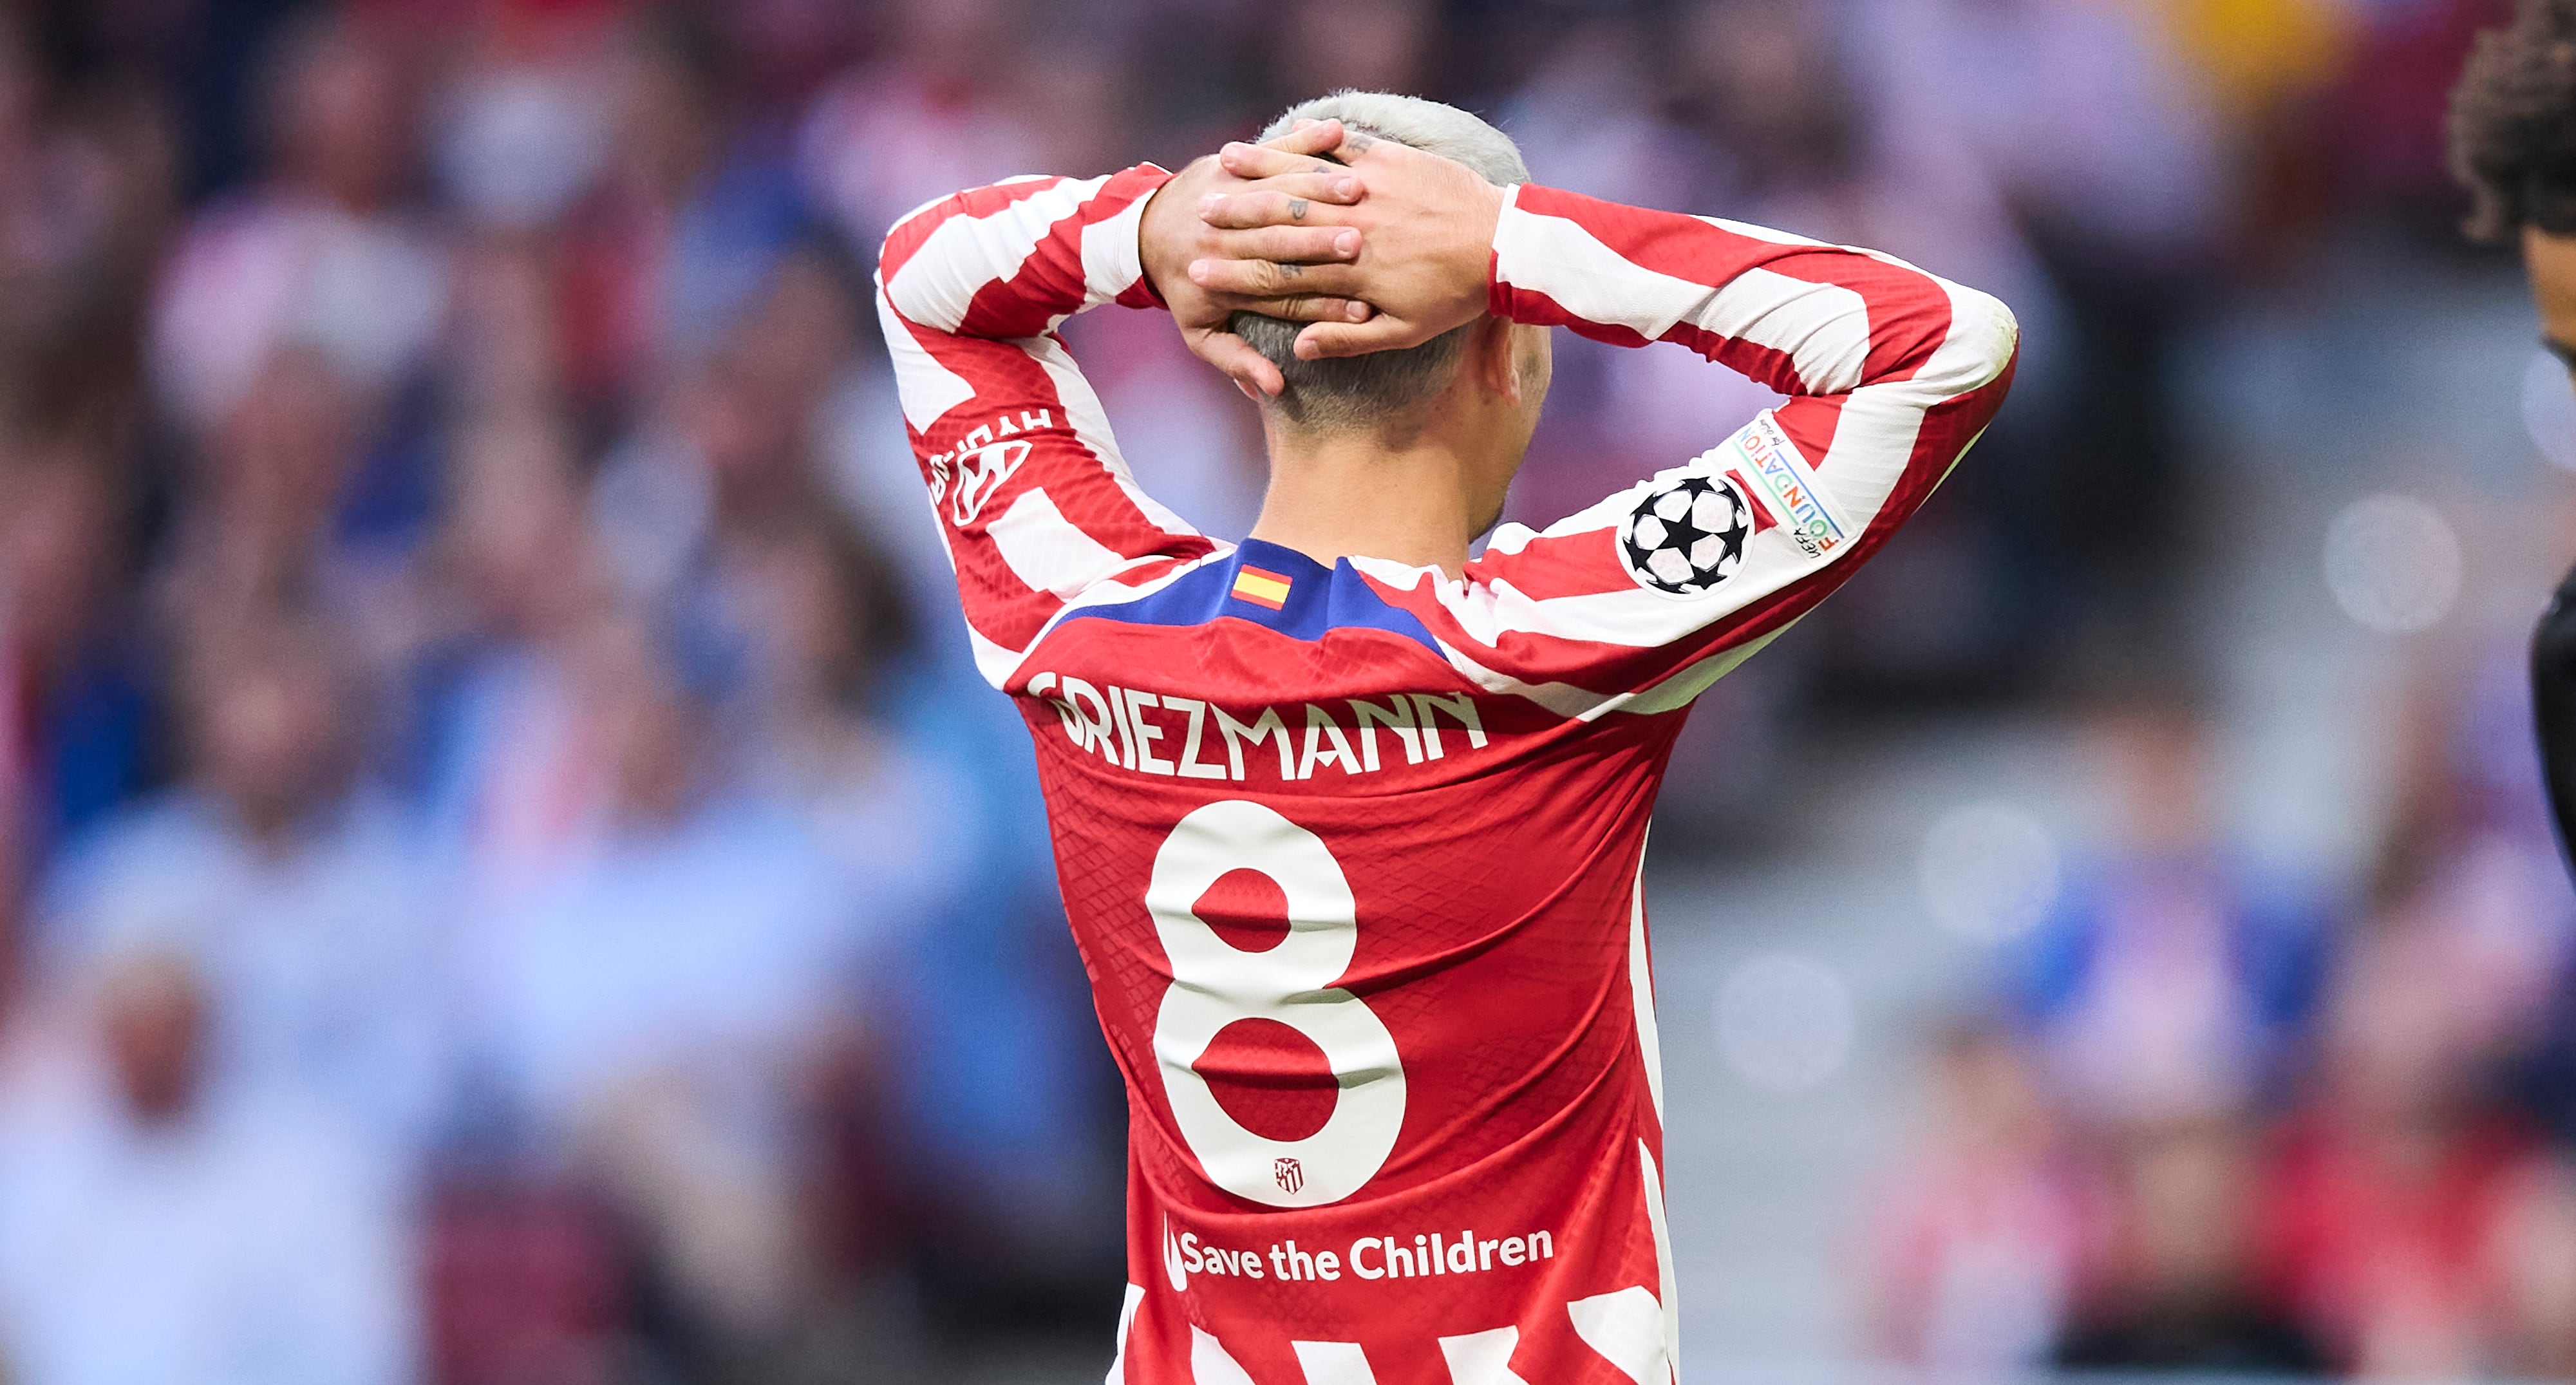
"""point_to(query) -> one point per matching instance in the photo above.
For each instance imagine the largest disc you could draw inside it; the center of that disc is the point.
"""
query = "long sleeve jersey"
(1352, 853)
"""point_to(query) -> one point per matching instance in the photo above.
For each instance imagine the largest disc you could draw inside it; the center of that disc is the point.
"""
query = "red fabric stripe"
(1909, 314)
(1762, 519)
(1050, 282)
(1576, 564)
(1006, 379)
(1769, 365)
(907, 236)
(1810, 421)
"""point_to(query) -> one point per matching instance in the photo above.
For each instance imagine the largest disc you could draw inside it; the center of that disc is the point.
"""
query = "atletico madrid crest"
(1687, 535)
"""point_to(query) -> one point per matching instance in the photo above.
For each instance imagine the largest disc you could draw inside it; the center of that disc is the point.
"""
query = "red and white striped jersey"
(1352, 852)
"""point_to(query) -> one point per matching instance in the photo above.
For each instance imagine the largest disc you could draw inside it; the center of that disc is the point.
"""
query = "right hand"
(1425, 261)
(1172, 235)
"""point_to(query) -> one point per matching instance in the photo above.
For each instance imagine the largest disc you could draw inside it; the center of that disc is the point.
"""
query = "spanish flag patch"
(1261, 588)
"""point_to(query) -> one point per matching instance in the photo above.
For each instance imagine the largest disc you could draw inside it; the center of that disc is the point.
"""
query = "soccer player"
(2513, 141)
(1349, 821)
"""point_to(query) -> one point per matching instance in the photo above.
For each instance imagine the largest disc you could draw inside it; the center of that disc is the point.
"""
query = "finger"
(1308, 308)
(1333, 187)
(1262, 161)
(1236, 211)
(1251, 371)
(1326, 340)
(1273, 279)
(1286, 244)
(1308, 137)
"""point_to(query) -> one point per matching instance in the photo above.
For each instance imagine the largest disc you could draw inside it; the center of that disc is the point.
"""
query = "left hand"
(1173, 234)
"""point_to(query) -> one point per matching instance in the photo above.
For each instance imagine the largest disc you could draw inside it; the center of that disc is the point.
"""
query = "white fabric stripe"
(1750, 231)
(1627, 1329)
(1111, 260)
(1641, 989)
(964, 253)
(1482, 1358)
(1046, 551)
(1564, 699)
(1209, 1362)
(1875, 437)
(1684, 688)
(1110, 593)
(1090, 425)
(993, 660)
(1669, 1298)
(1333, 1363)
(1638, 618)
(1822, 328)
(1126, 1321)
(927, 388)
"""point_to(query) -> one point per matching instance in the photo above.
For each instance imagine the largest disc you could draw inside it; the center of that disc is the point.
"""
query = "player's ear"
(1491, 354)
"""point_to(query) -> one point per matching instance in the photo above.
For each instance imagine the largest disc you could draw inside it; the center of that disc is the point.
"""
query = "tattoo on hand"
(1292, 270)
(1296, 209)
(1356, 144)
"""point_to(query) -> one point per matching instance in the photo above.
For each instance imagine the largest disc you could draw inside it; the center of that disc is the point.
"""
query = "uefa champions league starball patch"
(1686, 536)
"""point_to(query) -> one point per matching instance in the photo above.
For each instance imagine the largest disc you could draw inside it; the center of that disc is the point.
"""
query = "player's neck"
(1356, 495)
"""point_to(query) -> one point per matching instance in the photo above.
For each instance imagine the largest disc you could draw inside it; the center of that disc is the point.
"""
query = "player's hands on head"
(1173, 235)
(1426, 238)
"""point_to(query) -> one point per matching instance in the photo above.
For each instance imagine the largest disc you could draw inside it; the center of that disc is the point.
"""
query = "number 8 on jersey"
(1215, 984)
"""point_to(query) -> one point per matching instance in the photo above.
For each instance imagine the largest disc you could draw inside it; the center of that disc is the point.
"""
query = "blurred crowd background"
(507, 874)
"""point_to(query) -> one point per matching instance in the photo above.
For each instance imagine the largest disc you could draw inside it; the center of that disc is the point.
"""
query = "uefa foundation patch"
(1805, 509)
(1261, 587)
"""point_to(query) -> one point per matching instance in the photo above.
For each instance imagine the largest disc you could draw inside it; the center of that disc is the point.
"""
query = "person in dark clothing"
(2513, 142)
(2553, 704)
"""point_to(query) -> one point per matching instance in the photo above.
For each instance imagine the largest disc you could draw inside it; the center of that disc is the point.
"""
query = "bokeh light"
(2393, 563)
(2549, 408)
(1784, 1022)
(1988, 871)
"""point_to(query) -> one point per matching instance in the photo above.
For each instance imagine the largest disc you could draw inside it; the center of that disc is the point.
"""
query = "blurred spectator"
(512, 781)
(77, 733)
(655, 1013)
(521, 129)
(1979, 1240)
(2537, 1253)
(298, 890)
(2177, 1289)
(322, 253)
(937, 114)
(2172, 981)
(2388, 1202)
(157, 1223)
(680, 237)
(1358, 45)
(2110, 164)
(2470, 852)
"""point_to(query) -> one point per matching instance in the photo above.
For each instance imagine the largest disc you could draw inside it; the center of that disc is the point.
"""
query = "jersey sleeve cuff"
(1115, 267)
(1510, 230)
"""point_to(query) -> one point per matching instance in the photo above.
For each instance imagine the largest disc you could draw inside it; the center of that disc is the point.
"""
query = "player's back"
(1353, 852)
(1367, 943)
